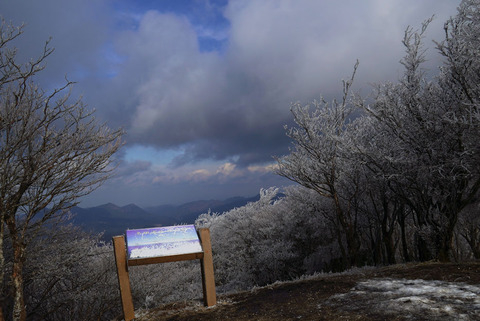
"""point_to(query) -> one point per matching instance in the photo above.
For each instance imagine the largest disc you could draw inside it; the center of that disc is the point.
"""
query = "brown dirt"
(303, 300)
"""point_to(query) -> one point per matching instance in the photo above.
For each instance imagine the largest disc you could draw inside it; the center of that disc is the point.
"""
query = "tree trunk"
(389, 246)
(475, 247)
(426, 236)
(2, 267)
(353, 246)
(351, 235)
(376, 245)
(19, 309)
(446, 239)
(18, 246)
(472, 236)
(424, 247)
(406, 255)
(338, 232)
(351, 255)
(444, 251)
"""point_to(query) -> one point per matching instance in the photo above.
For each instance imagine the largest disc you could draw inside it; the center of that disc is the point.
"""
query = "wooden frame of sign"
(123, 262)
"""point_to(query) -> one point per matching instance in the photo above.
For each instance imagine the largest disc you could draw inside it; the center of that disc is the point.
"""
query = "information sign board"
(161, 245)
(162, 241)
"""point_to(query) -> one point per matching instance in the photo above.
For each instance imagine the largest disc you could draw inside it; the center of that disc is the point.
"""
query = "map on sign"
(162, 241)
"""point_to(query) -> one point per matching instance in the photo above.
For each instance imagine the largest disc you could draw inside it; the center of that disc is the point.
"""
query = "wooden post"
(123, 278)
(208, 280)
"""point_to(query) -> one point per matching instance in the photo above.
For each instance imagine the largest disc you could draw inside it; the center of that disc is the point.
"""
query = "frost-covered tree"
(409, 162)
(311, 230)
(52, 151)
(318, 161)
(279, 237)
(248, 243)
(461, 48)
(70, 275)
(425, 133)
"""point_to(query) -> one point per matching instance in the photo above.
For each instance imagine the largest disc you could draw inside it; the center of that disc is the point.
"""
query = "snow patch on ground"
(412, 299)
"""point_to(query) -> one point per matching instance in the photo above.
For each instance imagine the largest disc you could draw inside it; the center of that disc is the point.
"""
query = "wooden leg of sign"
(123, 278)
(208, 280)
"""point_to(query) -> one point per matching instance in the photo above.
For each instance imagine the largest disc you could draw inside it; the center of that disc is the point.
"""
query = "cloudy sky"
(203, 87)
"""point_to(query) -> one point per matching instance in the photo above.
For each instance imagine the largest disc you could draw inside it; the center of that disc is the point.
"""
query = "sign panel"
(162, 241)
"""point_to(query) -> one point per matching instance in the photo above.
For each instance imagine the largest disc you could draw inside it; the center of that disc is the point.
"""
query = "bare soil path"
(420, 291)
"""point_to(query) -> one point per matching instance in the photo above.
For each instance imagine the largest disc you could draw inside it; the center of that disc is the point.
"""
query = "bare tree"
(52, 151)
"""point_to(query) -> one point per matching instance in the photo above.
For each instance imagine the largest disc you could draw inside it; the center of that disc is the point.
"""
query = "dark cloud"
(216, 89)
(233, 105)
(153, 78)
(257, 146)
(128, 169)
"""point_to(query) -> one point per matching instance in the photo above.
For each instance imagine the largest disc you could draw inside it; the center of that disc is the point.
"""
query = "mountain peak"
(109, 206)
(131, 206)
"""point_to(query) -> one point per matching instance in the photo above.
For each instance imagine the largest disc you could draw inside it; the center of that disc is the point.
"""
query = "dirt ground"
(330, 297)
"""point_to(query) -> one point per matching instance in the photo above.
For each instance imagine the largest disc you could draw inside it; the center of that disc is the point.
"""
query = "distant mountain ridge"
(114, 220)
